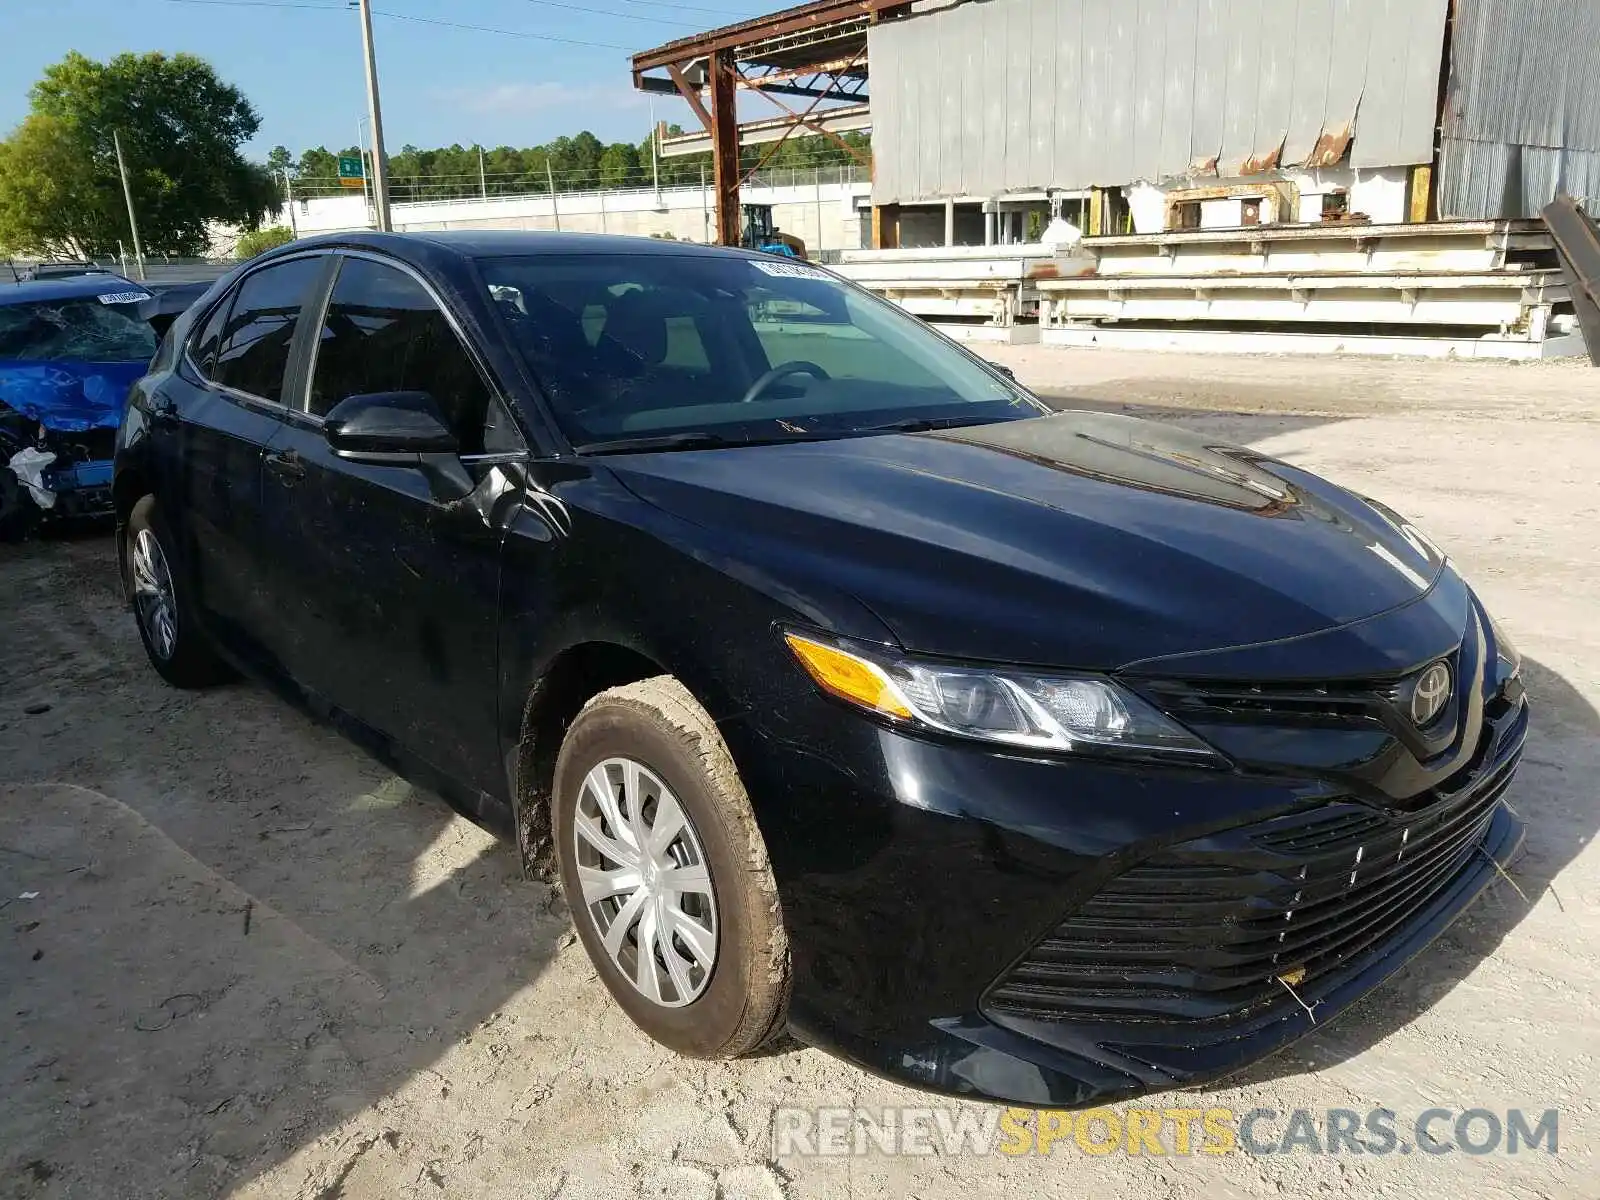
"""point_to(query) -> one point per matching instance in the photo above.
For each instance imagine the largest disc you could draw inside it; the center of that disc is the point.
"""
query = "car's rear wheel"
(666, 873)
(162, 607)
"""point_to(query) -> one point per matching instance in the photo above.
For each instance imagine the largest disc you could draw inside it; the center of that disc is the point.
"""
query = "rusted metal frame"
(691, 94)
(774, 147)
(725, 145)
(797, 20)
(832, 67)
(801, 121)
(816, 127)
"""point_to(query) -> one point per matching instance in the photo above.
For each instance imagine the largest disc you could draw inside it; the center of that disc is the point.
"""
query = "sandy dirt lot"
(259, 965)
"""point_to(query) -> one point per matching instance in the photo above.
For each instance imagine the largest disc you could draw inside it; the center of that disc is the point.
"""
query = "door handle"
(286, 465)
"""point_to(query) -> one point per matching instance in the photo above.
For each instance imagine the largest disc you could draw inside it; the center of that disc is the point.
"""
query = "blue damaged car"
(69, 350)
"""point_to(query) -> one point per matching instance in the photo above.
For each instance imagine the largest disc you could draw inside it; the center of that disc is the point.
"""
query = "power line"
(538, 37)
(688, 8)
(260, 4)
(394, 16)
(609, 12)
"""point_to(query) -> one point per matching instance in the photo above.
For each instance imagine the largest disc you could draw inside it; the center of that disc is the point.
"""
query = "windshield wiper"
(694, 439)
(923, 424)
(691, 440)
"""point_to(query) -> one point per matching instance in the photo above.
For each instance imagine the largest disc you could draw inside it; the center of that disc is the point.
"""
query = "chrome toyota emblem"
(1430, 694)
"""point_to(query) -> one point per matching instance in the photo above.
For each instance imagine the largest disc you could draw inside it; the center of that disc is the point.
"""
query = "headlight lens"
(1022, 709)
(1505, 650)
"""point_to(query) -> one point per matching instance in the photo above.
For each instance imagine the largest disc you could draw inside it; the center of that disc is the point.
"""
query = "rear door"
(391, 589)
(227, 397)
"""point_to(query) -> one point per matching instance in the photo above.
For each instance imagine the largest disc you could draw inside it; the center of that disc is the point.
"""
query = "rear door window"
(254, 353)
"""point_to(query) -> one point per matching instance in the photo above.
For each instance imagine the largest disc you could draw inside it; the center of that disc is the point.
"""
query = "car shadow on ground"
(225, 928)
(1553, 794)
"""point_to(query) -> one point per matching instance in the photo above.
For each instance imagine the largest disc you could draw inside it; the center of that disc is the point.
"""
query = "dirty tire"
(193, 662)
(659, 724)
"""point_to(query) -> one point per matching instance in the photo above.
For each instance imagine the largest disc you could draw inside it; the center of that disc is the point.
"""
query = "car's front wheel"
(666, 873)
(161, 603)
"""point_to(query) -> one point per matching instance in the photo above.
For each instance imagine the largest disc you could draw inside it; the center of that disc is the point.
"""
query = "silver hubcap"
(152, 594)
(645, 882)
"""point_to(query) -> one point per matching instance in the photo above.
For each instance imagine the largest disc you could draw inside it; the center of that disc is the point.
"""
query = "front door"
(392, 583)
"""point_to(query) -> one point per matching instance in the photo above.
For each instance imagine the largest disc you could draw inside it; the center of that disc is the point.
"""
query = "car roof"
(75, 287)
(500, 243)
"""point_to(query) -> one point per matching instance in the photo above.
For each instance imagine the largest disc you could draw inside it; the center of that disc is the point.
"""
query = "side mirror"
(388, 429)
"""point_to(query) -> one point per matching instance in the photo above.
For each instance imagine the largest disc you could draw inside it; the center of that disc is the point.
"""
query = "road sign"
(350, 173)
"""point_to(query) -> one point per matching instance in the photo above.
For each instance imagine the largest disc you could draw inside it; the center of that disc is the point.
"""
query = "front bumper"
(913, 893)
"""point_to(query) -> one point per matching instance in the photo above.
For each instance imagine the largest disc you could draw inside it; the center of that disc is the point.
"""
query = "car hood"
(1081, 539)
(68, 397)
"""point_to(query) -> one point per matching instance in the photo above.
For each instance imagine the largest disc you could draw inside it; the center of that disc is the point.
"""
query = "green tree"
(259, 241)
(619, 167)
(181, 129)
(319, 166)
(280, 160)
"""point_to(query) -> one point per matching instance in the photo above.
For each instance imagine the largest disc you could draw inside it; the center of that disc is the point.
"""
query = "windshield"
(81, 330)
(635, 347)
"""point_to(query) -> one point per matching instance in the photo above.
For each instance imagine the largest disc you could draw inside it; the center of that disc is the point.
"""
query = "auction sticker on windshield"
(123, 297)
(793, 270)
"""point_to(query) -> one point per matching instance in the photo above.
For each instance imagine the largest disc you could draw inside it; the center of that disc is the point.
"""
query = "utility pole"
(288, 203)
(127, 194)
(380, 170)
(366, 170)
(555, 211)
(655, 133)
(483, 180)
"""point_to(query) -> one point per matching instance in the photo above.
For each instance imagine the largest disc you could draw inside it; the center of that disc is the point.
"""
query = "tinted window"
(384, 333)
(647, 344)
(255, 344)
(204, 348)
(83, 330)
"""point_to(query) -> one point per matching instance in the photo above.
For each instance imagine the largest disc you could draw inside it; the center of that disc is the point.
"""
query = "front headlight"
(1015, 708)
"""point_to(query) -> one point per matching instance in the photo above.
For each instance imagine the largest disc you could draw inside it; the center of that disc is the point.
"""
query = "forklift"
(759, 233)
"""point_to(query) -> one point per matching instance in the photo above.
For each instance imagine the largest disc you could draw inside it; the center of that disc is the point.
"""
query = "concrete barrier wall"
(824, 216)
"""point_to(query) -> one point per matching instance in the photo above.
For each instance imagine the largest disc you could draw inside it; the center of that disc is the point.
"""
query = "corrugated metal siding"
(1522, 122)
(987, 97)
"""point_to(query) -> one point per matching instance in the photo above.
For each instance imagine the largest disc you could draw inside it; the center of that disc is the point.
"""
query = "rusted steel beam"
(808, 121)
(833, 67)
(725, 145)
(1578, 246)
(691, 94)
(743, 33)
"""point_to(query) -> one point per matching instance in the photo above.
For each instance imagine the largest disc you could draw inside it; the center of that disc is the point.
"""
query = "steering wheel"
(798, 367)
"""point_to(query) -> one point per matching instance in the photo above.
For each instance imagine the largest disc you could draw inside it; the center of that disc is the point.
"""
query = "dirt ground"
(260, 965)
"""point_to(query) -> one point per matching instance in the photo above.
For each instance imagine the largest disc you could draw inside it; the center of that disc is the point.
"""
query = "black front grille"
(1205, 930)
(1326, 703)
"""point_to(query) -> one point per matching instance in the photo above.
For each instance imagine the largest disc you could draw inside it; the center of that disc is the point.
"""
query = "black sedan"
(1046, 758)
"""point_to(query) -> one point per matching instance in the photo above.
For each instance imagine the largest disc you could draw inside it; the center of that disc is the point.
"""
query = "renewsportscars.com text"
(1176, 1132)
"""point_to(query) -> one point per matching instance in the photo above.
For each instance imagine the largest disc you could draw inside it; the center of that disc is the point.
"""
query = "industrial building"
(1334, 152)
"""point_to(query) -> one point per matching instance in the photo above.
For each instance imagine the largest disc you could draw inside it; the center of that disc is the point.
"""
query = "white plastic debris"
(1061, 234)
(28, 464)
(28, 896)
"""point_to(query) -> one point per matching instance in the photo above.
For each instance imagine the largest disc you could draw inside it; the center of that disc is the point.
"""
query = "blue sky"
(301, 65)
